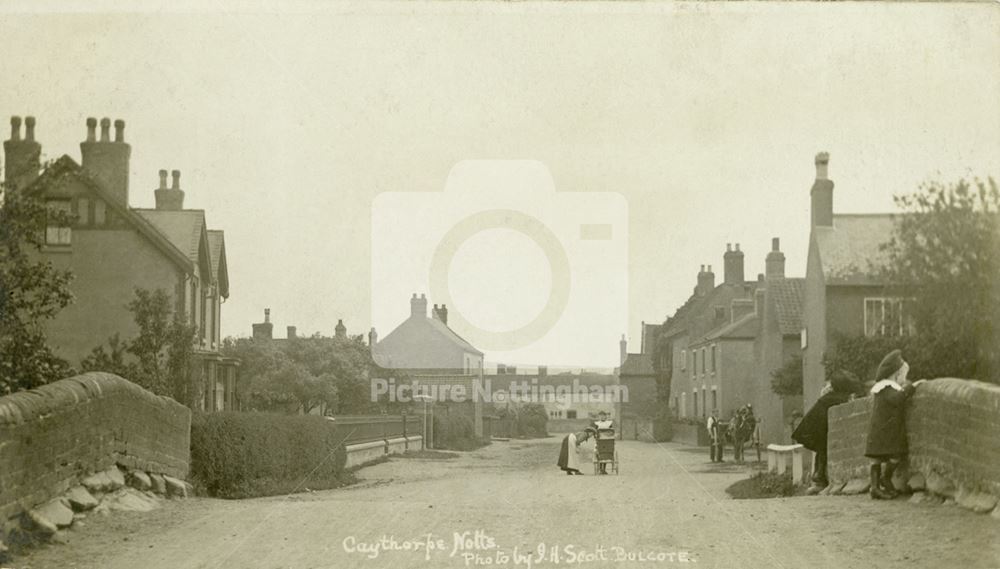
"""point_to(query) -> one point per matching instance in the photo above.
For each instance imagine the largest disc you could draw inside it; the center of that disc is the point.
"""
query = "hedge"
(242, 455)
(455, 432)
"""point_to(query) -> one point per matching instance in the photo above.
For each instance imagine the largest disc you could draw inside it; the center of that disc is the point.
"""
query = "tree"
(787, 379)
(945, 255)
(32, 291)
(162, 351)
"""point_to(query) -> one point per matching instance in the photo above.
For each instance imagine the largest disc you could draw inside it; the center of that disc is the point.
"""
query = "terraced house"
(113, 248)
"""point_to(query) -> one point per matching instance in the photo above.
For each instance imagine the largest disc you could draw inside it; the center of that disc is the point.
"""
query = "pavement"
(508, 505)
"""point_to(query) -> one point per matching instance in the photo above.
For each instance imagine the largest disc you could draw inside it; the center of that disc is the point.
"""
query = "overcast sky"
(705, 117)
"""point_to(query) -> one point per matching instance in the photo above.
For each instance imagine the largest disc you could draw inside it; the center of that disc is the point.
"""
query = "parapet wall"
(54, 436)
(952, 431)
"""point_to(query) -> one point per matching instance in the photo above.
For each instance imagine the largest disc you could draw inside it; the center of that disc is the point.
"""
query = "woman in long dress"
(569, 452)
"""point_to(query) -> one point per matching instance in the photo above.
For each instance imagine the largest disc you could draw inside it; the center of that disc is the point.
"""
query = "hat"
(890, 365)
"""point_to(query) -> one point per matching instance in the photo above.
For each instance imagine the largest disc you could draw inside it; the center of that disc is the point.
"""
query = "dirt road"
(667, 508)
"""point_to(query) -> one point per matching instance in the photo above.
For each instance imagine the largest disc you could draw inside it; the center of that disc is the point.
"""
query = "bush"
(532, 421)
(663, 427)
(455, 432)
(764, 485)
(242, 455)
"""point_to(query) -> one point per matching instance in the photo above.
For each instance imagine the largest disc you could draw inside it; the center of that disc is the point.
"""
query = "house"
(432, 354)
(843, 294)
(708, 342)
(638, 380)
(113, 248)
(572, 400)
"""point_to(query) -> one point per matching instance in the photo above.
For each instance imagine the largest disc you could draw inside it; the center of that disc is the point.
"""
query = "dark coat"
(887, 429)
(812, 430)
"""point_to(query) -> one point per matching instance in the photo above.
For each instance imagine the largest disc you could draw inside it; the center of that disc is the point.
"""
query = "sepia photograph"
(310, 284)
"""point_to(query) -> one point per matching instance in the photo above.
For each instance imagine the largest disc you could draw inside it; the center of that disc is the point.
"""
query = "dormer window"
(58, 231)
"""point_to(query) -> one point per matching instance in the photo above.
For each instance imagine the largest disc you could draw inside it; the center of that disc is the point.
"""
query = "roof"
(182, 227)
(637, 364)
(744, 327)
(66, 165)
(787, 294)
(451, 335)
(220, 268)
(850, 250)
(421, 342)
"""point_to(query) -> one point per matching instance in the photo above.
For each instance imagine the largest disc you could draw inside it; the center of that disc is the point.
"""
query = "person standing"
(715, 436)
(886, 445)
(812, 431)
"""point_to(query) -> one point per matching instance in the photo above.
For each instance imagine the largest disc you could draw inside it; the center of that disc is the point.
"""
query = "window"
(684, 359)
(712, 359)
(57, 233)
(888, 317)
(694, 363)
(720, 312)
(703, 360)
(715, 399)
(571, 414)
(684, 404)
(695, 403)
(704, 407)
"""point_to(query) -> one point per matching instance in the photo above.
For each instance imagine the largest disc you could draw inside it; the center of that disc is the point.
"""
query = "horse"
(741, 429)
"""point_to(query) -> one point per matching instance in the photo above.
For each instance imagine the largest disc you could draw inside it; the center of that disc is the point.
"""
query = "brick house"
(638, 378)
(113, 248)
(431, 353)
(843, 295)
(710, 342)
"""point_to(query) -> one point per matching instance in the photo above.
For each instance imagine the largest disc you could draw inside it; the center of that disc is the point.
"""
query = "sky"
(287, 123)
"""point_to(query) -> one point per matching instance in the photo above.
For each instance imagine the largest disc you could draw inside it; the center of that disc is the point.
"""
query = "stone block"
(940, 485)
(80, 499)
(131, 500)
(917, 482)
(176, 488)
(97, 483)
(159, 484)
(115, 478)
(979, 502)
(917, 498)
(49, 517)
(855, 486)
(140, 480)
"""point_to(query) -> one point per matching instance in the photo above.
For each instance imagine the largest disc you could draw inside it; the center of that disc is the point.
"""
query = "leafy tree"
(860, 355)
(32, 291)
(945, 254)
(787, 380)
(162, 351)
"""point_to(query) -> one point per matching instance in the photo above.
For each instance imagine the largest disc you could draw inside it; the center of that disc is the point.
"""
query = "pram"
(605, 453)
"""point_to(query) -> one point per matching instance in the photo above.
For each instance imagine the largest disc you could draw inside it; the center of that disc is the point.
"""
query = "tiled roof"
(637, 364)
(182, 227)
(451, 335)
(217, 250)
(850, 249)
(787, 295)
(744, 327)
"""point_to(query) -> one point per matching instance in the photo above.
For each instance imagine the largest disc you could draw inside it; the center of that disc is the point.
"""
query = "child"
(812, 431)
(886, 445)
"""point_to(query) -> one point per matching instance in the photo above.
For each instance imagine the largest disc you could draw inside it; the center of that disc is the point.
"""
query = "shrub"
(663, 427)
(763, 485)
(455, 432)
(242, 455)
(532, 421)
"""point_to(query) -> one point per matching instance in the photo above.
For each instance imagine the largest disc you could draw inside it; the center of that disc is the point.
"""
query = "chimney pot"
(737, 247)
(105, 130)
(267, 315)
(729, 247)
(822, 161)
(291, 332)
(760, 277)
(709, 268)
(119, 130)
(29, 129)
(91, 129)
(15, 128)
(775, 244)
(176, 175)
(163, 179)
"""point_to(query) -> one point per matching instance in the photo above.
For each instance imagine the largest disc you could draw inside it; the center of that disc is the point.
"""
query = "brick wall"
(53, 436)
(952, 427)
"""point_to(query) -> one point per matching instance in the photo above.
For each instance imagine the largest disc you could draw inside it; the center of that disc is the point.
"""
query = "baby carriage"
(605, 454)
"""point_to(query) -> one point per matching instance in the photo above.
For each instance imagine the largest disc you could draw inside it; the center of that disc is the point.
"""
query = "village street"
(668, 501)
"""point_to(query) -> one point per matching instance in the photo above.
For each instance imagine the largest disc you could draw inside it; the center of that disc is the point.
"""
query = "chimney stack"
(340, 330)
(822, 193)
(263, 330)
(706, 281)
(372, 337)
(775, 264)
(171, 199)
(758, 301)
(732, 262)
(622, 350)
(22, 158)
(418, 306)
(106, 160)
(291, 332)
(440, 313)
